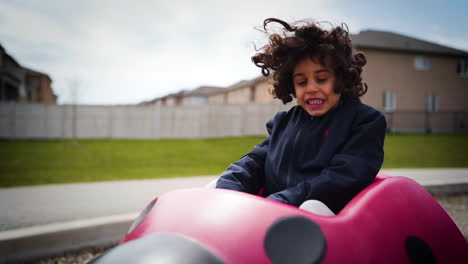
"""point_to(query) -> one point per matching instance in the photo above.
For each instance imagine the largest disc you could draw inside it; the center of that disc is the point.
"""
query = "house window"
(389, 101)
(431, 103)
(422, 63)
(462, 68)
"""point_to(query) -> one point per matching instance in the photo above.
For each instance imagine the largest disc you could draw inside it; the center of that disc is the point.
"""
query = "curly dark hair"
(332, 47)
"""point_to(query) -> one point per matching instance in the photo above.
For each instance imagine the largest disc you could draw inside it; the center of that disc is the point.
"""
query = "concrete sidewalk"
(46, 220)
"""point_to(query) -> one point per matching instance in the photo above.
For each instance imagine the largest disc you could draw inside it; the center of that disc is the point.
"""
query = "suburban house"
(419, 85)
(256, 90)
(39, 88)
(198, 96)
(170, 99)
(20, 84)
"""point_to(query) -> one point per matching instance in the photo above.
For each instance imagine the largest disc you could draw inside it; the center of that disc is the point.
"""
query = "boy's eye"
(301, 82)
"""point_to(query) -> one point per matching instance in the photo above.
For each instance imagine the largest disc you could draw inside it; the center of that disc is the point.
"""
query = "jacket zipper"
(296, 138)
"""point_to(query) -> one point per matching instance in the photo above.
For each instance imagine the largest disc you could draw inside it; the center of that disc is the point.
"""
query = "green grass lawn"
(33, 162)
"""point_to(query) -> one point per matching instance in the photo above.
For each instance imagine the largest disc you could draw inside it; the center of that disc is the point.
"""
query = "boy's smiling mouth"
(315, 102)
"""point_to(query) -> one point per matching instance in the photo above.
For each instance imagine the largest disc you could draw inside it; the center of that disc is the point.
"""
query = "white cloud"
(453, 42)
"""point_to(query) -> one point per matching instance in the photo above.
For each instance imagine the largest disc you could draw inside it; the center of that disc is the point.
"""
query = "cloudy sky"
(124, 52)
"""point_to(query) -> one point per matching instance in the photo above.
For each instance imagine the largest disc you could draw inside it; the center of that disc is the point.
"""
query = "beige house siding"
(254, 91)
(171, 101)
(396, 72)
(262, 91)
(250, 93)
(239, 96)
(219, 98)
(194, 100)
(392, 71)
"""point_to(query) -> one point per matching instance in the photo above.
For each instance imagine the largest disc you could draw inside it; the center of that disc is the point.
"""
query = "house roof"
(245, 83)
(3, 51)
(29, 71)
(36, 73)
(241, 84)
(200, 91)
(203, 90)
(383, 40)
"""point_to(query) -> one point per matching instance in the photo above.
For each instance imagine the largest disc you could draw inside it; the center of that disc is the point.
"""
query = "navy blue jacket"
(329, 158)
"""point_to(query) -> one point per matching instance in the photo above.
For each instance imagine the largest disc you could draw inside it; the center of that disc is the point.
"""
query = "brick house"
(39, 88)
(20, 84)
(12, 76)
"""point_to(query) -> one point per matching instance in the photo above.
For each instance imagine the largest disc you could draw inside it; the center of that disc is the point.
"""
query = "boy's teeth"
(315, 101)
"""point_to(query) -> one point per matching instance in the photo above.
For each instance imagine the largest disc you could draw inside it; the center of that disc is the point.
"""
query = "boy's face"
(314, 85)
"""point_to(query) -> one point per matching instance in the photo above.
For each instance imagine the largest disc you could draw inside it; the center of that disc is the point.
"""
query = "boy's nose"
(311, 87)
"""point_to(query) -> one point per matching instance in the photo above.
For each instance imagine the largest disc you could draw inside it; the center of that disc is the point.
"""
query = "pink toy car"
(394, 220)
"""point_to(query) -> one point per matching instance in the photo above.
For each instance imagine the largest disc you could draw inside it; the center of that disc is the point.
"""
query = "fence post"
(62, 109)
(156, 121)
(200, 123)
(389, 122)
(455, 121)
(13, 121)
(111, 122)
(427, 122)
(46, 121)
(74, 117)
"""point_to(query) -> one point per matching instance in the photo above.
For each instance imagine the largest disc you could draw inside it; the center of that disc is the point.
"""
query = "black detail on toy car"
(295, 239)
(142, 216)
(419, 251)
(161, 248)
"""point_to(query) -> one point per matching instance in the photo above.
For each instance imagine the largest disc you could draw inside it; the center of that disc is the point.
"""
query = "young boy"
(330, 146)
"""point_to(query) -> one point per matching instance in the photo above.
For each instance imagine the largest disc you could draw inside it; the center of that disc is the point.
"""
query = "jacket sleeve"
(247, 174)
(348, 172)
